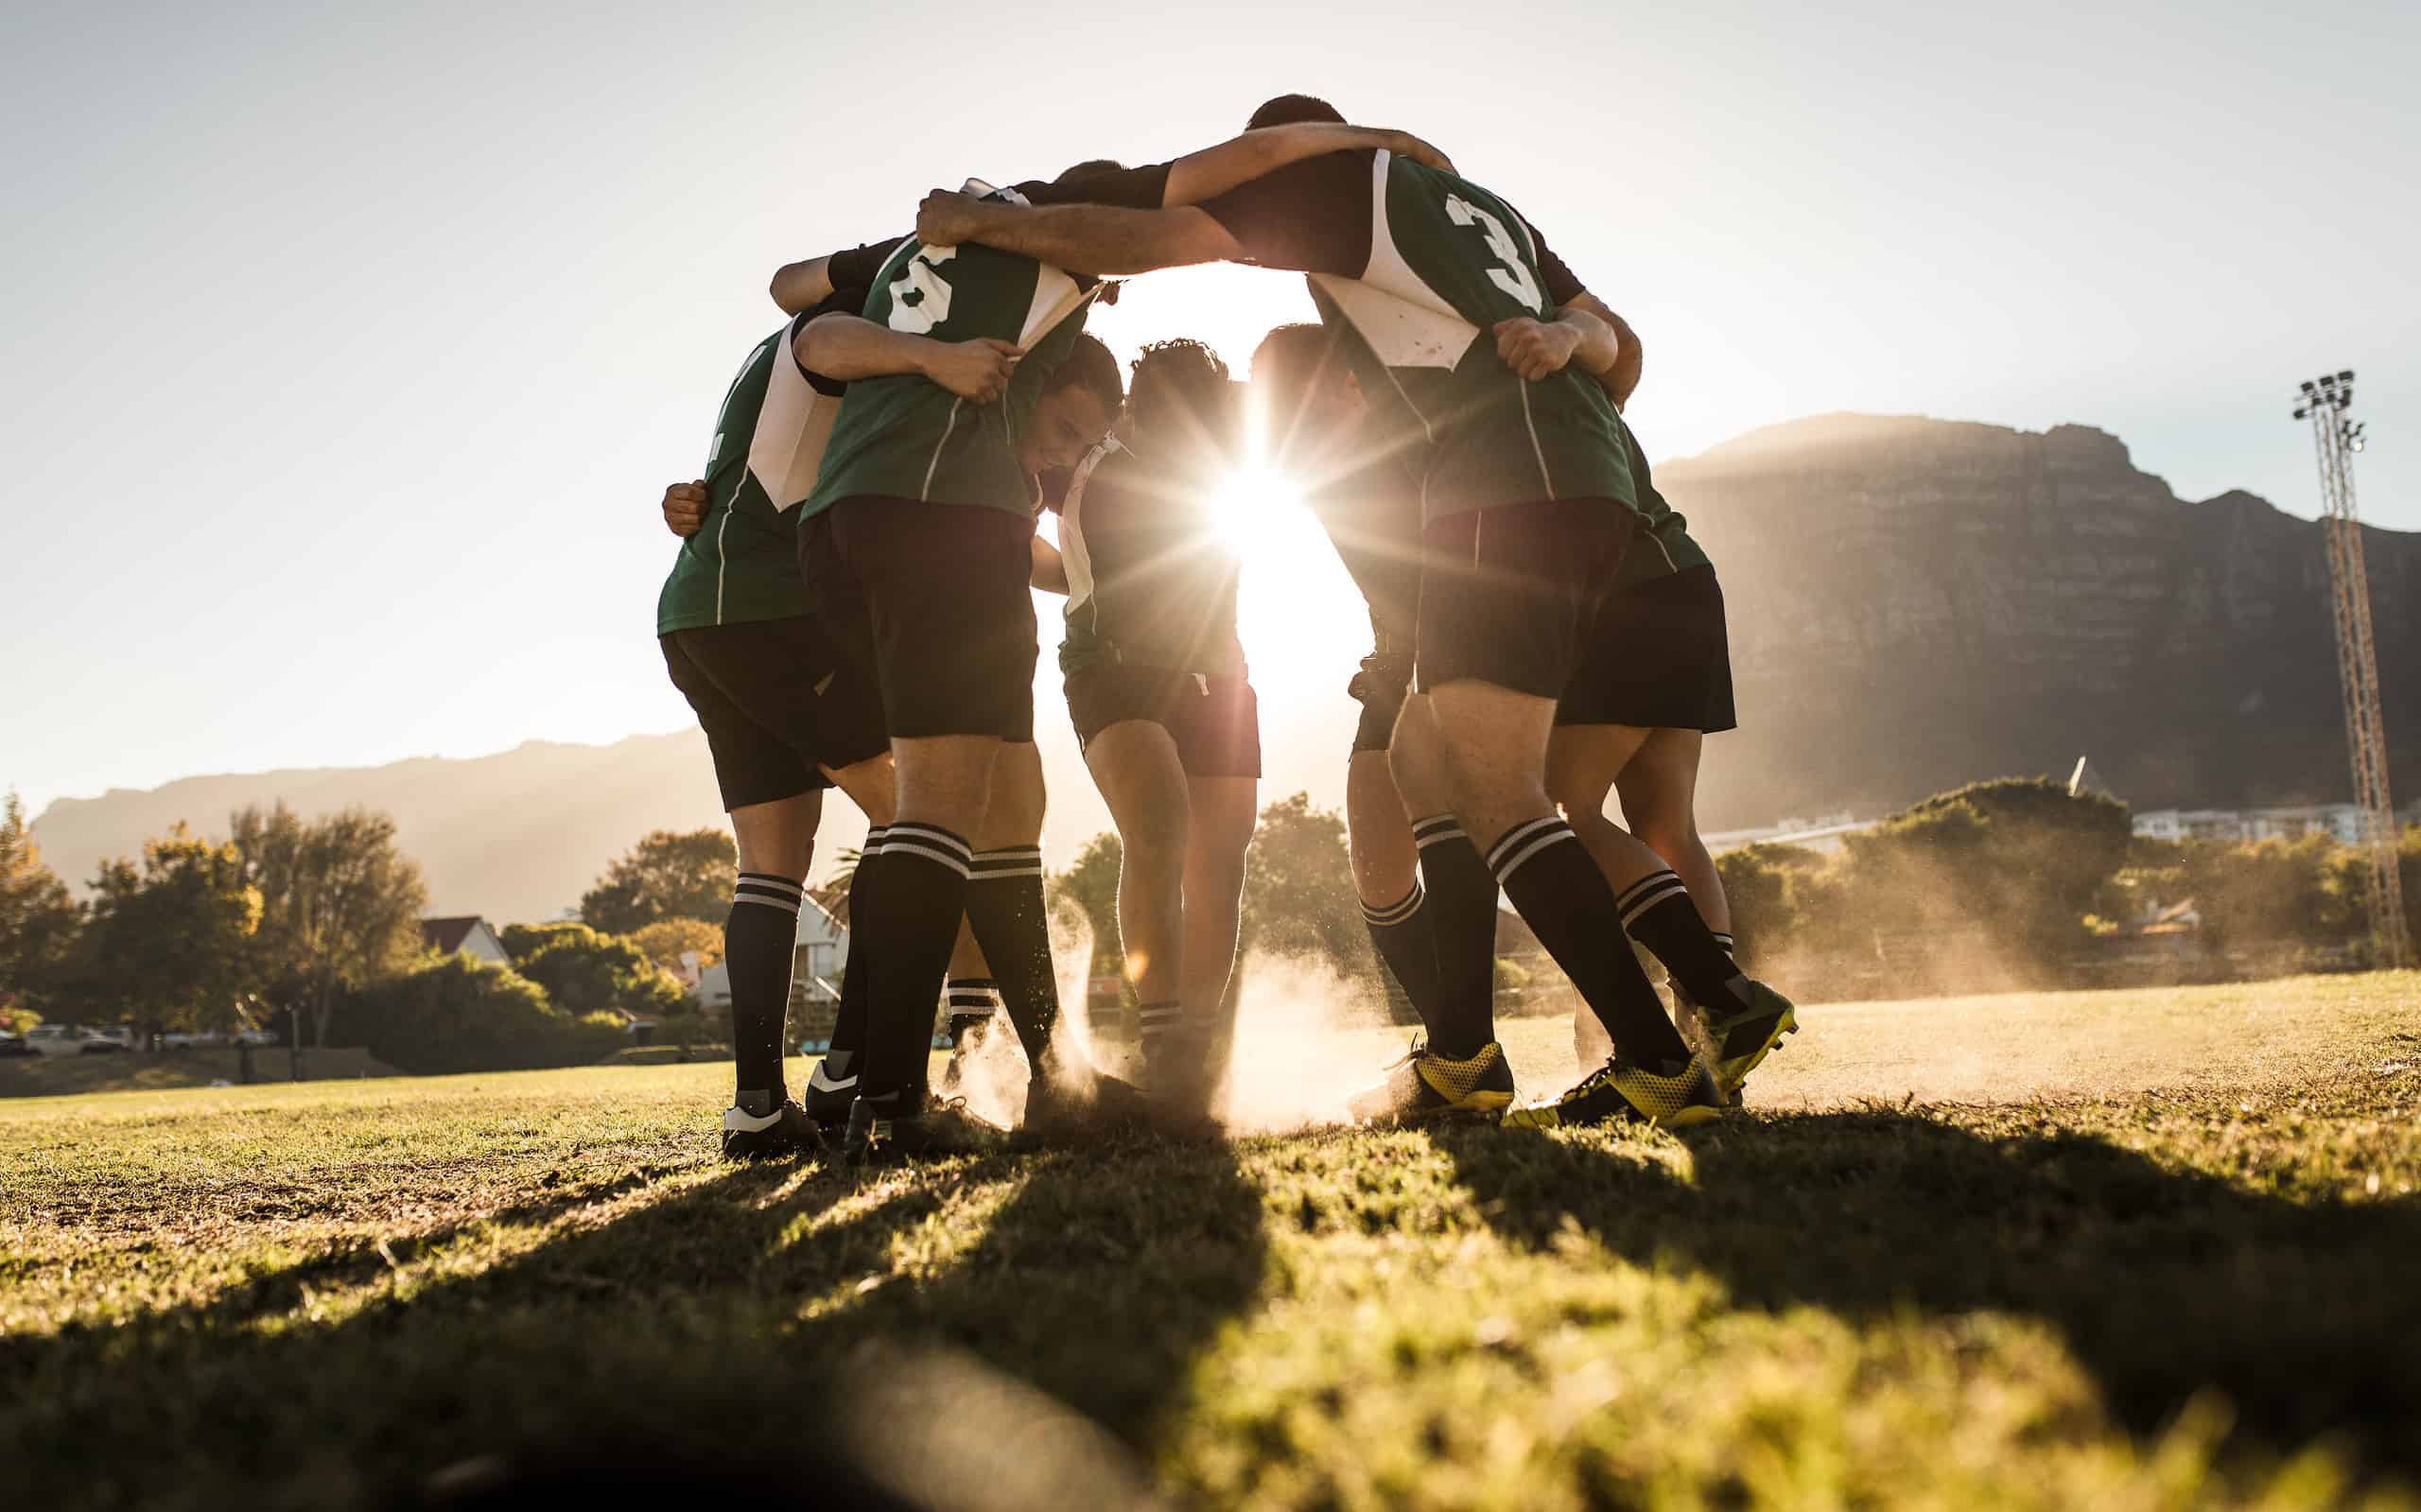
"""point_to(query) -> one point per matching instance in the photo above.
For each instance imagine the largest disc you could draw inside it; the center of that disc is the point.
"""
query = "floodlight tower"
(2323, 402)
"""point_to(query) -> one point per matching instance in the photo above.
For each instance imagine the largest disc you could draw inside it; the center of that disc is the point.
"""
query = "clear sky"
(348, 347)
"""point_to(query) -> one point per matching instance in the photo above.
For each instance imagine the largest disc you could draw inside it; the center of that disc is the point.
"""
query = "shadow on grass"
(2162, 1282)
(712, 1327)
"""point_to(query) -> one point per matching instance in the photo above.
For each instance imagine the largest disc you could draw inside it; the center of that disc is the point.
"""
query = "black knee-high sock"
(1400, 933)
(971, 1001)
(1657, 912)
(840, 1062)
(1005, 910)
(759, 940)
(1462, 922)
(1560, 893)
(921, 881)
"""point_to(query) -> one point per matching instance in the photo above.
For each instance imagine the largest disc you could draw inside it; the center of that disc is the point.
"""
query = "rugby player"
(917, 546)
(1528, 507)
(1157, 692)
(784, 718)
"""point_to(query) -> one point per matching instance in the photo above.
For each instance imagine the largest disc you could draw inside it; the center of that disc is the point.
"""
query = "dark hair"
(1286, 110)
(1088, 167)
(1088, 365)
(1290, 362)
(1183, 398)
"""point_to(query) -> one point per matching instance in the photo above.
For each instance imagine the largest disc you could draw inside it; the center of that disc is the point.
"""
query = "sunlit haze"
(351, 347)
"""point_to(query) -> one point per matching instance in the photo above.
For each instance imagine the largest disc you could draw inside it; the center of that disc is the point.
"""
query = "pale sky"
(351, 346)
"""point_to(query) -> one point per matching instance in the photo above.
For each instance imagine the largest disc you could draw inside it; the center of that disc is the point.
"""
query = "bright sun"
(1253, 505)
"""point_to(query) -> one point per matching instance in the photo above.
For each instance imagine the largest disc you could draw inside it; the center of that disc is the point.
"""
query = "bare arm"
(849, 346)
(1621, 378)
(1213, 171)
(1577, 337)
(1050, 572)
(802, 286)
(1089, 238)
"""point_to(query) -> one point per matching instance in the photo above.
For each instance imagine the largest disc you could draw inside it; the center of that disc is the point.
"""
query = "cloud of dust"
(993, 1073)
(1303, 1045)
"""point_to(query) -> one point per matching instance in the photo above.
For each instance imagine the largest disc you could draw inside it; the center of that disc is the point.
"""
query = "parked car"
(109, 1041)
(181, 1040)
(55, 1039)
(14, 1046)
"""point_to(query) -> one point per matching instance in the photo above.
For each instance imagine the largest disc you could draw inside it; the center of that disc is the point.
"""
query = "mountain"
(514, 836)
(1915, 604)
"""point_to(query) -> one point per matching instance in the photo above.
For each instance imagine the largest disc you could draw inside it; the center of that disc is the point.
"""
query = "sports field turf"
(2117, 1251)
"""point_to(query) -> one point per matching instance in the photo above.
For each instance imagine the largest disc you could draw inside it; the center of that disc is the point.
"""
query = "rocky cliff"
(1915, 604)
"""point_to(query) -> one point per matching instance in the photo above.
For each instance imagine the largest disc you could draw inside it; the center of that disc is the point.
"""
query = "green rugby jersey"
(1663, 545)
(1150, 581)
(743, 563)
(1369, 506)
(908, 437)
(1419, 265)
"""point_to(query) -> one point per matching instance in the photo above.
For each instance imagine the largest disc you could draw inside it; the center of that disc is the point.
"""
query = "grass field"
(2088, 1251)
(68, 1075)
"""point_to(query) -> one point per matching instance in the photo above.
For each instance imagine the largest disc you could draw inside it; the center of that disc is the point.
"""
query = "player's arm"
(846, 347)
(1621, 378)
(1090, 239)
(802, 286)
(685, 508)
(1050, 572)
(1213, 171)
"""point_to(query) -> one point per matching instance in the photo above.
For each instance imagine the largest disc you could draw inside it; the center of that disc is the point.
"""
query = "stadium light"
(2336, 438)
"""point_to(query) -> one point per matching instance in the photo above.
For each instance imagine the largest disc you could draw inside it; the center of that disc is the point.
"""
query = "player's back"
(905, 436)
(1447, 260)
(743, 563)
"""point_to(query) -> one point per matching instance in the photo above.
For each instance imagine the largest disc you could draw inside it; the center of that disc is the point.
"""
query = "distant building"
(820, 952)
(2340, 822)
(466, 935)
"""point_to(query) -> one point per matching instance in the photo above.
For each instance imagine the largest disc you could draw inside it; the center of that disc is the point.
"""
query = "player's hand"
(685, 508)
(948, 218)
(977, 370)
(1536, 349)
(1406, 145)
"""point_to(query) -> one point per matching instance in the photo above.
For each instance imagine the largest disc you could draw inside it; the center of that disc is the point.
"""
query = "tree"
(583, 971)
(1298, 888)
(665, 876)
(2019, 855)
(459, 1014)
(1090, 886)
(667, 940)
(38, 918)
(340, 905)
(170, 944)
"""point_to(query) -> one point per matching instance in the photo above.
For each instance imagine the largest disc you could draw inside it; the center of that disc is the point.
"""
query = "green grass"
(2166, 1269)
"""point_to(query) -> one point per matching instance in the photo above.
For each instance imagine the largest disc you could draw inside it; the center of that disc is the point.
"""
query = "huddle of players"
(1459, 398)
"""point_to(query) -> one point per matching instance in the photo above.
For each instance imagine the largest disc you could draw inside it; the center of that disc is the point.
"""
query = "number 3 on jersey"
(920, 296)
(1513, 276)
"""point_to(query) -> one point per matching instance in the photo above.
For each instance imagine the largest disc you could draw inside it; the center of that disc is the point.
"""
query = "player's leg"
(1458, 891)
(774, 797)
(1659, 790)
(1004, 903)
(1135, 764)
(1506, 594)
(1378, 837)
(873, 786)
(1581, 764)
(1219, 744)
(933, 599)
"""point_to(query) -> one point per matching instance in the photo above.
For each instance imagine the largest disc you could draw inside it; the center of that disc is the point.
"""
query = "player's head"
(1286, 110)
(1306, 395)
(1079, 400)
(1181, 405)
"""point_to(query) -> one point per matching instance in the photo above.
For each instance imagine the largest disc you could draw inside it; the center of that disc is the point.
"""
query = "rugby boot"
(789, 1130)
(938, 1127)
(1677, 1094)
(828, 1096)
(1425, 1084)
(1746, 1037)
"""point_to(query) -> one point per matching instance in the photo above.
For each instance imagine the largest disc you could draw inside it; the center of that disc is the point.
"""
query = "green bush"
(460, 1014)
(583, 971)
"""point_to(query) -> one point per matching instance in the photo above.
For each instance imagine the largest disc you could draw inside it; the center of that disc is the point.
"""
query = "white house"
(821, 951)
(467, 935)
